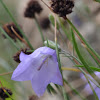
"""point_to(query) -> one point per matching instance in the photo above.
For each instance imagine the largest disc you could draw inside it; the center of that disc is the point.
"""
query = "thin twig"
(6, 73)
(46, 5)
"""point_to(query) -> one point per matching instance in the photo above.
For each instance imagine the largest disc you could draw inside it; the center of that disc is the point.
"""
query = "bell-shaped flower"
(41, 67)
(87, 87)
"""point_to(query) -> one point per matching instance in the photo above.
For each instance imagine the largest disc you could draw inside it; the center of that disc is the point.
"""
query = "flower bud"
(52, 44)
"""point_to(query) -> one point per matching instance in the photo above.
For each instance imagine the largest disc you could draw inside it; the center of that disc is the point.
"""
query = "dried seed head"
(33, 97)
(16, 56)
(45, 23)
(3, 95)
(32, 8)
(10, 29)
(62, 7)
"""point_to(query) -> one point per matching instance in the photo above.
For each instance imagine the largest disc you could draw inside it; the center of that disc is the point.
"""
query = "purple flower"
(41, 67)
(87, 86)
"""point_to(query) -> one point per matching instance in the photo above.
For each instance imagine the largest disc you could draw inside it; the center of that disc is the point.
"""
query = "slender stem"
(9, 38)
(57, 51)
(65, 95)
(46, 5)
(11, 16)
(39, 28)
(70, 69)
(6, 73)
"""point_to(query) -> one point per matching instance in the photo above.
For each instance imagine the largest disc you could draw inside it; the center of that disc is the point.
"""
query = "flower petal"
(23, 56)
(88, 88)
(43, 50)
(47, 74)
(27, 68)
(22, 72)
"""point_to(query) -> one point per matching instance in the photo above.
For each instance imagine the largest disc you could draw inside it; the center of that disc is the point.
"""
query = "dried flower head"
(3, 95)
(45, 23)
(62, 7)
(32, 8)
(11, 29)
(16, 56)
(33, 97)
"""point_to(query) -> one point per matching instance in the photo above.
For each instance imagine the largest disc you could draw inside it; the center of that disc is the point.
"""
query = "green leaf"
(97, 1)
(94, 54)
(68, 35)
(79, 54)
(82, 59)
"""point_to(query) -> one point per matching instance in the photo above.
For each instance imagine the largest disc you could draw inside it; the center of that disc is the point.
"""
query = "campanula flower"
(41, 67)
(88, 88)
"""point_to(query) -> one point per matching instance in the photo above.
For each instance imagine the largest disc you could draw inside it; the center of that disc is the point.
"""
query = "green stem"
(39, 28)
(78, 33)
(11, 16)
(9, 38)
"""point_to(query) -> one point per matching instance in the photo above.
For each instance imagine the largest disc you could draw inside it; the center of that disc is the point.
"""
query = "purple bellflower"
(87, 86)
(41, 67)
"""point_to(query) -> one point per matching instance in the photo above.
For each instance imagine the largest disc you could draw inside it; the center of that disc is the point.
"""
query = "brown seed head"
(45, 23)
(33, 97)
(32, 8)
(3, 95)
(62, 7)
(8, 29)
